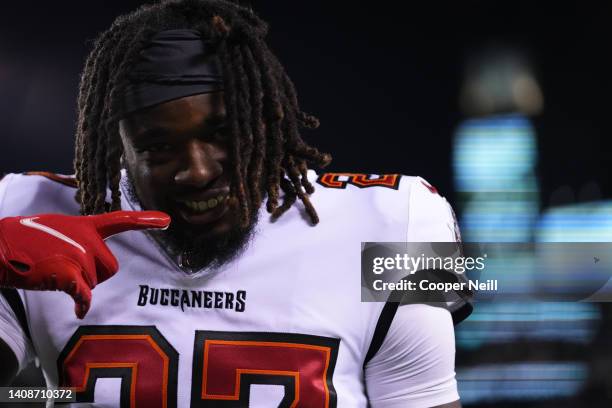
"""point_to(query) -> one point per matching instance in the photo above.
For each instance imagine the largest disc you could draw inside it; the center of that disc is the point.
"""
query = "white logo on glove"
(29, 222)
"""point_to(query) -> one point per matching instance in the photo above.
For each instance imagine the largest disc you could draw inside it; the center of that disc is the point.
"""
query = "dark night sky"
(384, 80)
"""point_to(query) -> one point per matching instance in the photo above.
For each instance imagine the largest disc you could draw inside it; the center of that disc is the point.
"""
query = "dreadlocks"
(264, 117)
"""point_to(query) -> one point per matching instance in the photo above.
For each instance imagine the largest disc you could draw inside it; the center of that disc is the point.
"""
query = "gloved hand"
(67, 253)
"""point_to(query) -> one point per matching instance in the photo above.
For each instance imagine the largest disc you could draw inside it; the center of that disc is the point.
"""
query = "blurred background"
(501, 105)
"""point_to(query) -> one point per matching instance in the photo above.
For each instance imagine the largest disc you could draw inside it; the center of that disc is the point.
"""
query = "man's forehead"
(191, 111)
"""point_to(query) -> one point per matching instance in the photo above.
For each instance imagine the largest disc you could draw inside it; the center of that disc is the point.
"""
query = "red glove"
(67, 253)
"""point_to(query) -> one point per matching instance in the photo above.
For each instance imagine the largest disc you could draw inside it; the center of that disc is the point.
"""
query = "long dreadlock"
(268, 152)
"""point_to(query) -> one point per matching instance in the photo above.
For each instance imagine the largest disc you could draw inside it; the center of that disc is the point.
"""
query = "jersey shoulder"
(409, 201)
(37, 192)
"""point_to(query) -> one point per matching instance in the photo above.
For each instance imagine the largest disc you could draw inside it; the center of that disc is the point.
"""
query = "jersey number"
(340, 180)
(225, 365)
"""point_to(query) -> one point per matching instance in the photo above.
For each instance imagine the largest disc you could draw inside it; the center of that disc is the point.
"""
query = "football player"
(184, 109)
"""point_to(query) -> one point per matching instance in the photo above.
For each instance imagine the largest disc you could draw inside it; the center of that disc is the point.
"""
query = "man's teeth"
(201, 206)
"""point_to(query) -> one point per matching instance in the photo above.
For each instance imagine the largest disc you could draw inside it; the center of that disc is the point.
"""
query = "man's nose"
(202, 164)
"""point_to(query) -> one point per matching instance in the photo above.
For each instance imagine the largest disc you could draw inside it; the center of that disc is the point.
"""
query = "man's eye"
(156, 148)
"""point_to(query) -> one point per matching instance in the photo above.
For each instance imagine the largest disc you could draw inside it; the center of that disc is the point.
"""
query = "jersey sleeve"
(5, 181)
(414, 366)
(12, 332)
(430, 217)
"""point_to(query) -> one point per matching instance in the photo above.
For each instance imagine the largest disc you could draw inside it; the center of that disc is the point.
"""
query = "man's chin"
(218, 230)
(207, 245)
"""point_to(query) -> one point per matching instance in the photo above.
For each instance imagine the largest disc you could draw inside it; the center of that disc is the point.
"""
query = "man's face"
(177, 156)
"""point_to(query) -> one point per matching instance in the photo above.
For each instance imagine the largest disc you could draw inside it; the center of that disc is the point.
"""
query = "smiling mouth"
(202, 206)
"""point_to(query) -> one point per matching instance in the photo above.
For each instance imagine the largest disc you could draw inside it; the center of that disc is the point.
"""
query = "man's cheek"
(145, 191)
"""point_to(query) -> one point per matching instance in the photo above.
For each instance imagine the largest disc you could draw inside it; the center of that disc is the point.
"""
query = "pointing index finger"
(119, 221)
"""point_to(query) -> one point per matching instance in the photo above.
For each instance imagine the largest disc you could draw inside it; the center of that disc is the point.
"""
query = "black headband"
(174, 64)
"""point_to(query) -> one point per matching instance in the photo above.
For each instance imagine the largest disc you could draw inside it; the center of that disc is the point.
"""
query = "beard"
(194, 252)
(190, 248)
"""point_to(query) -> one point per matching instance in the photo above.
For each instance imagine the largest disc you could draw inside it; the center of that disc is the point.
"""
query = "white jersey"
(283, 325)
